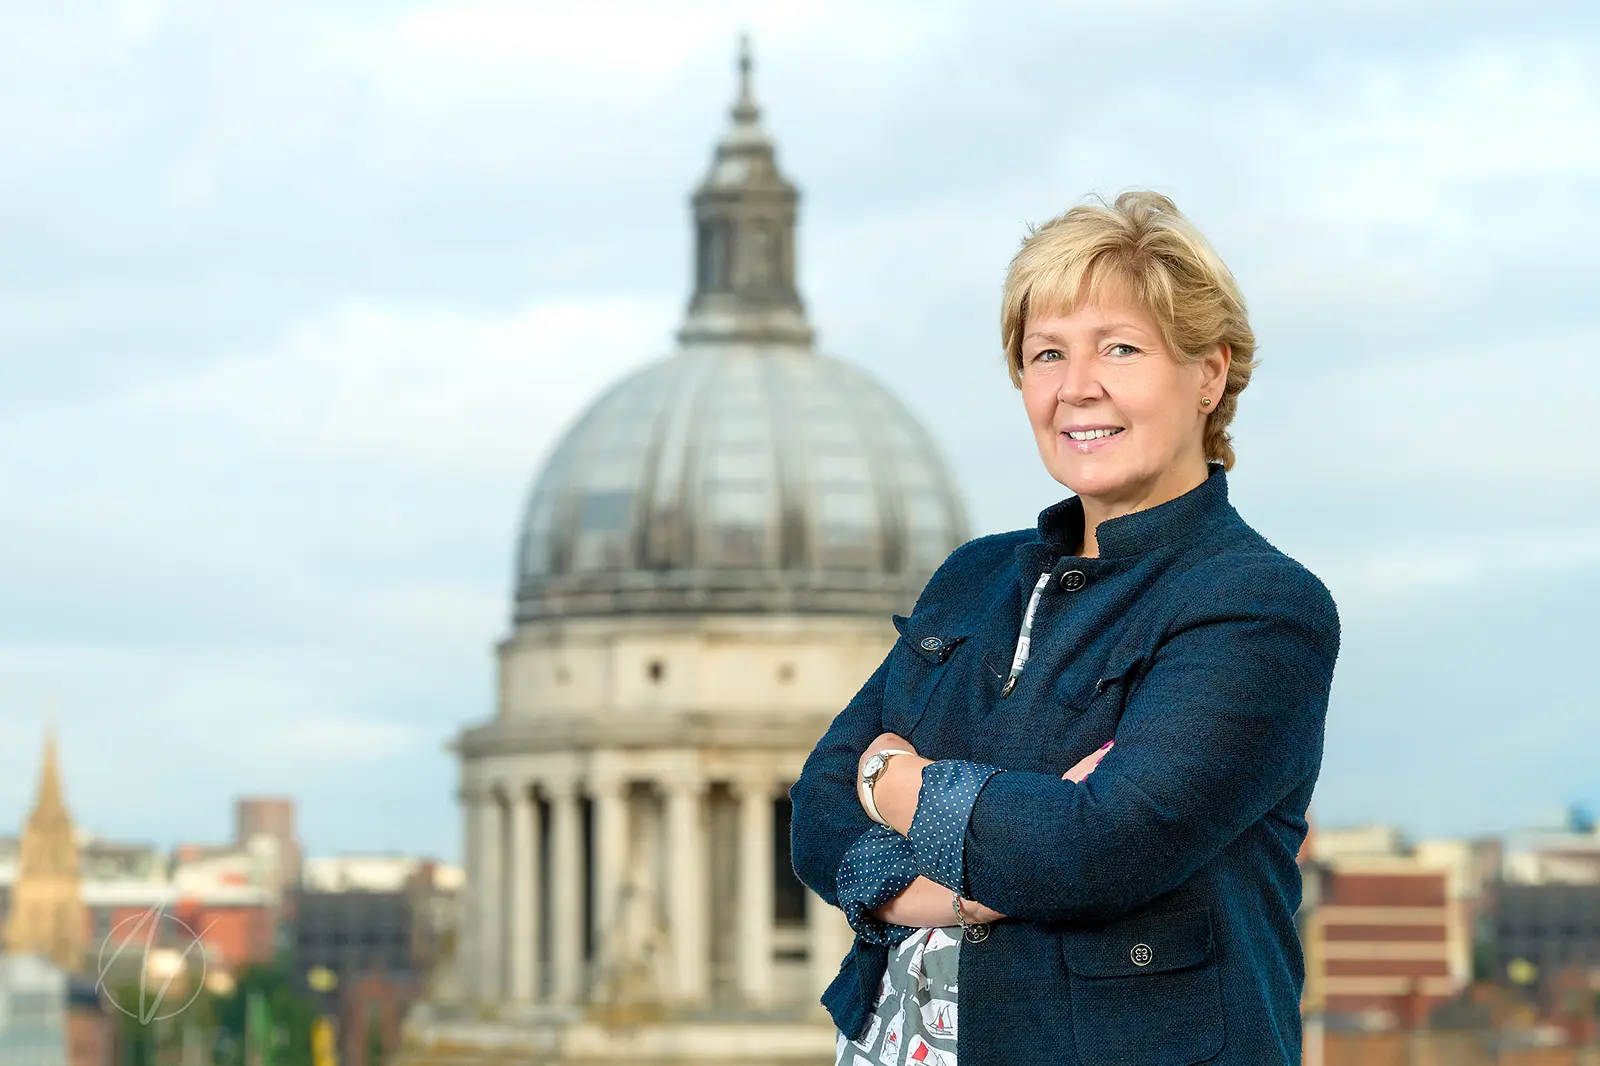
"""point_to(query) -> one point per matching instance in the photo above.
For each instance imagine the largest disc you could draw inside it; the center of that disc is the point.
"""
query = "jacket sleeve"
(1226, 721)
(828, 818)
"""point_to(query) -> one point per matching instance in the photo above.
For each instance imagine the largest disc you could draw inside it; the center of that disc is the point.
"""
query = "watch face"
(874, 767)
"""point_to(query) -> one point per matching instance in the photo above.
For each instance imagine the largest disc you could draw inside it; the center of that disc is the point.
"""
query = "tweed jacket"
(1151, 907)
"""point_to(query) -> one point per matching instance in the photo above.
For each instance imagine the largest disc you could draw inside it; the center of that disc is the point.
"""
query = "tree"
(291, 1012)
(374, 1039)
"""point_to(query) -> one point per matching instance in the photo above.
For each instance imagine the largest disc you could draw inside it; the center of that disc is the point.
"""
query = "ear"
(1214, 368)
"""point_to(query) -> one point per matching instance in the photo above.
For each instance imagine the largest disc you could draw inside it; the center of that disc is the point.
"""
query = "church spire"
(744, 214)
(47, 916)
(48, 801)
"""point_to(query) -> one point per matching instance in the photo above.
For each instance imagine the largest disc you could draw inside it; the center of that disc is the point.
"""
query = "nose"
(1080, 381)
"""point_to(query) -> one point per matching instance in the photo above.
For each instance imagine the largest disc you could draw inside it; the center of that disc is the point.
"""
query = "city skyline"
(298, 321)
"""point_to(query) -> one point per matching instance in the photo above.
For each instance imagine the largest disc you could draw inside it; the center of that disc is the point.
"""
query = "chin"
(1084, 480)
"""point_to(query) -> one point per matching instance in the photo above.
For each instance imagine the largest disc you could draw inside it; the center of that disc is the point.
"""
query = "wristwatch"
(873, 769)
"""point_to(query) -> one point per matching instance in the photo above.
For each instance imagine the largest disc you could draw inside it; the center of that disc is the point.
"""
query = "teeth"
(1092, 434)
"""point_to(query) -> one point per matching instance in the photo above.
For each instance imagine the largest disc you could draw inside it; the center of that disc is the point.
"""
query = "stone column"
(688, 898)
(755, 890)
(524, 910)
(491, 898)
(610, 799)
(566, 895)
(470, 903)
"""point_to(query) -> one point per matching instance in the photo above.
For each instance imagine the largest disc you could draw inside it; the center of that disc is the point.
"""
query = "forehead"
(1090, 308)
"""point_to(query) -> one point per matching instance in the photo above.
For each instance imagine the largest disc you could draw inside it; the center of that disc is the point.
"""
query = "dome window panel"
(741, 429)
(744, 466)
(746, 547)
(605, 511)
(847, 508)
(603, 552)
(840, 469)
(741, 503)
(926, 514)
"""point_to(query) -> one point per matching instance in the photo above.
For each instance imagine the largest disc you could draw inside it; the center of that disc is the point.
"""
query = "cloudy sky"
(297, 296)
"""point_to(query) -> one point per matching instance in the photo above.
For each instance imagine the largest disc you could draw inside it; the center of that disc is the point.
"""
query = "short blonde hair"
(1144, 242)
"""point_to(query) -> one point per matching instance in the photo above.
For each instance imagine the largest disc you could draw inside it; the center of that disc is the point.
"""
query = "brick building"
(1388, 929)
(1384, 942)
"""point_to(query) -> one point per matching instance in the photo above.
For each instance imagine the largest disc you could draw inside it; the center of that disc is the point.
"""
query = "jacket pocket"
(1146, 991)
(1109, 686)
(916, 666)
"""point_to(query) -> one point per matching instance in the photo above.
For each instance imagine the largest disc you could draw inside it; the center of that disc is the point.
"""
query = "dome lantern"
(744, 230)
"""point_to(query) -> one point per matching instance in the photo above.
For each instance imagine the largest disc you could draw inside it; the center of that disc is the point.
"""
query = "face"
(1117, 419)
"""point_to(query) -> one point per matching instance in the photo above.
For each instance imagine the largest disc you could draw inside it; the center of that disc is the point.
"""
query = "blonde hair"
(1144, 242)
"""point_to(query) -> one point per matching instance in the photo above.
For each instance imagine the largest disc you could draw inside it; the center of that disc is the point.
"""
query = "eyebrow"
(1101, 332)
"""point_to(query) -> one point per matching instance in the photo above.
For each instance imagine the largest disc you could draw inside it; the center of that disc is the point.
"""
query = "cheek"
(1040, 404)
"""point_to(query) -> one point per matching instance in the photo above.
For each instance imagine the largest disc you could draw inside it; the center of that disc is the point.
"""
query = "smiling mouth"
(1091, 434)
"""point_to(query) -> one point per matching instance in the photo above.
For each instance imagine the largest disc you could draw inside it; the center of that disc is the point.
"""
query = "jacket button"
(1073, 580)
(1141, 954)
(931, 643)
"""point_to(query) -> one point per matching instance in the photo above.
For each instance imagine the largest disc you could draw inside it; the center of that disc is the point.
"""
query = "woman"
(1138, 907)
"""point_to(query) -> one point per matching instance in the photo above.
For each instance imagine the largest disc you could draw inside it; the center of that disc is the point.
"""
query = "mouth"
(1092, 438)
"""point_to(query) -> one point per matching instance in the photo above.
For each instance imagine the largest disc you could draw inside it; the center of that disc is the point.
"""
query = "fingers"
(1086, 765)
(977, 912)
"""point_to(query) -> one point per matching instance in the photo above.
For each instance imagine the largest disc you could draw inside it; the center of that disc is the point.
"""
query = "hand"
(973, 911)
(1086, 765)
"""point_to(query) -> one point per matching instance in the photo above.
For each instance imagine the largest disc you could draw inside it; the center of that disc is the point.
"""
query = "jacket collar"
(1135, 534)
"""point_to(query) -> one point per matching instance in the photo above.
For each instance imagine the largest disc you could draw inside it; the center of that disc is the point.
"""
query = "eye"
(1122, 350)
(1049, 355)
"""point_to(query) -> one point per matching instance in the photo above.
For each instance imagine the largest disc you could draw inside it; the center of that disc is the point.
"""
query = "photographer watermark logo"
(163, 944)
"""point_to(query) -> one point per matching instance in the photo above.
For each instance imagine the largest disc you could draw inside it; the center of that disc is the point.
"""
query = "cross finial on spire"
(744, 109)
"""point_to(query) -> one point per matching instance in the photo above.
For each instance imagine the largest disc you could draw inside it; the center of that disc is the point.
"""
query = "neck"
(1096, 510)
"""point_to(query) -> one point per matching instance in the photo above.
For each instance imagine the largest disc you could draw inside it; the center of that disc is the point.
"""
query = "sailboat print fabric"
(914, 1021)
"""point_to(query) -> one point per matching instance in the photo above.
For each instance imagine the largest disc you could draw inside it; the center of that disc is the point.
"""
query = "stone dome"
(746, 472)
(736, 479)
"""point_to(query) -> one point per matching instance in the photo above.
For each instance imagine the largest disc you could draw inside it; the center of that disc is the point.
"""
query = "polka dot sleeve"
(944, 807)
(876, 869)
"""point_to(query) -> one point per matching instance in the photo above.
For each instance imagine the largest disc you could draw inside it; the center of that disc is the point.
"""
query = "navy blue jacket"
(1152, 906)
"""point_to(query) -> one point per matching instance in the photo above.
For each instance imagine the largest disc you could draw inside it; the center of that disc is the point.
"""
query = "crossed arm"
(925, 903)
(1226, 721)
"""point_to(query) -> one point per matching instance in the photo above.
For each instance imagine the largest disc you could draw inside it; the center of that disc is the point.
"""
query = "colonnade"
(639, 865)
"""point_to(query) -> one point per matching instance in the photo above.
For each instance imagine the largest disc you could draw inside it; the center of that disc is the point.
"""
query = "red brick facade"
(1384, 940)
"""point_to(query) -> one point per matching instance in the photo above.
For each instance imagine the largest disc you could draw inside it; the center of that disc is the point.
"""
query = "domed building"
(705, 576)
